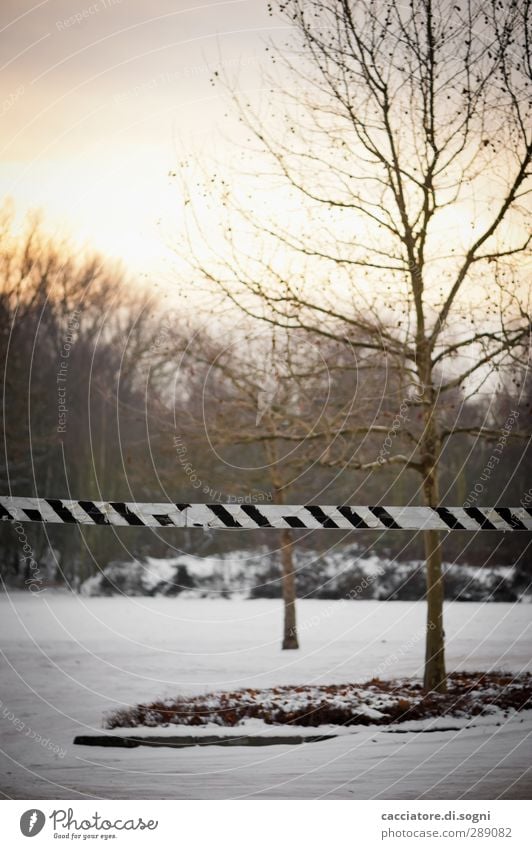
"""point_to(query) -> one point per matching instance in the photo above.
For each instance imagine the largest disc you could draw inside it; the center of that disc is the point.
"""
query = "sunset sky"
(100, 99)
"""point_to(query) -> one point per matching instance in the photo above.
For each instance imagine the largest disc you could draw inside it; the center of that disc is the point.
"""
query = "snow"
(67, 660)
(148, 575)
(249, 727)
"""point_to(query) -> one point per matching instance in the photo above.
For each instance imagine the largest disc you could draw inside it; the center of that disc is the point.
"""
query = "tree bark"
(434, 676)
(289, 591)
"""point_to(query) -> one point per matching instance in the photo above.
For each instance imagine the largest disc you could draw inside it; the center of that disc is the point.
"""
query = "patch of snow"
(251, 727)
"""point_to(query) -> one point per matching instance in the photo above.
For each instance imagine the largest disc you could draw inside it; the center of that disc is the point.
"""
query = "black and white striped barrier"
(249, 516)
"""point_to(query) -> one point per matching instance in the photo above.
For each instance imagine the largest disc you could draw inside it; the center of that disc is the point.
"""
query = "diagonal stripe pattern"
(251, 517)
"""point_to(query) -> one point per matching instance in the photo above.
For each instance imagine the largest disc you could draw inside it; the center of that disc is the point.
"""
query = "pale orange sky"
(100, 98)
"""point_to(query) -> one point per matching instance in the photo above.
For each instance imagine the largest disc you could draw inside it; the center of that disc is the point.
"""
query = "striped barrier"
(251, 517)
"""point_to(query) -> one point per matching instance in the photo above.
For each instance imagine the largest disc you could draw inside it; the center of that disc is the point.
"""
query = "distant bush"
(391, 581)
(140, 579)
(340, 574)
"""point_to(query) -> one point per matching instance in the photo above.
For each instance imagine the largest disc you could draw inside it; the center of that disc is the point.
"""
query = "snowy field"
(66, 660)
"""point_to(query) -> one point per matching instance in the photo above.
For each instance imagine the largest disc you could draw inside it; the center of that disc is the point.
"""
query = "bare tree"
(261, 396)
(401, 150)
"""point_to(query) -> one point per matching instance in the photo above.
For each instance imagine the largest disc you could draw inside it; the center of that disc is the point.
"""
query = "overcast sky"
(98, 101)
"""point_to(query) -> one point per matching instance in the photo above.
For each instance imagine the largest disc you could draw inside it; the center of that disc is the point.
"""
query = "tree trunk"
(435, 676)
(289, 591)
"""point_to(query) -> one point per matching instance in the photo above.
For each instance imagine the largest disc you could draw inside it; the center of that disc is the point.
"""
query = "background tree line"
(140, 381)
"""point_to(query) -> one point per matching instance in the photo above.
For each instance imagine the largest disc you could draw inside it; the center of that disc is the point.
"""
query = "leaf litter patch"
(375, 702)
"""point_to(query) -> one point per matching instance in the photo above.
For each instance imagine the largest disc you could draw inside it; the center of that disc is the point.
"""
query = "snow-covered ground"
(67, 660)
